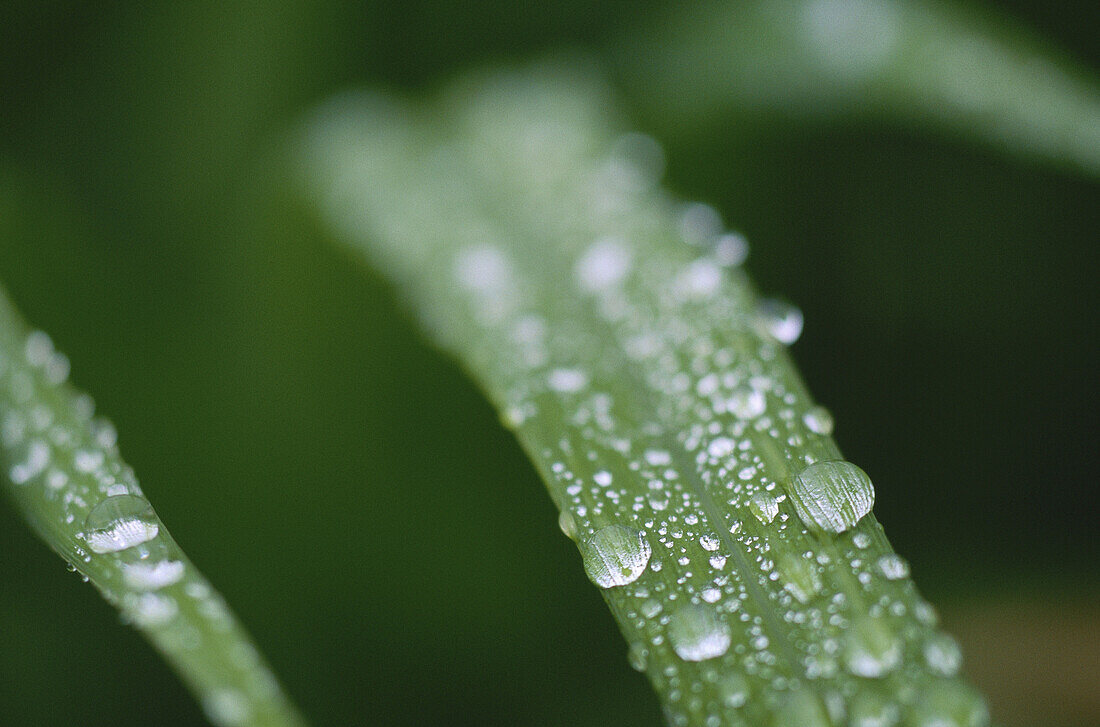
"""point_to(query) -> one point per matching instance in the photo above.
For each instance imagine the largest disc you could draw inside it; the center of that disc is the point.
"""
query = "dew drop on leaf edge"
(615, 556)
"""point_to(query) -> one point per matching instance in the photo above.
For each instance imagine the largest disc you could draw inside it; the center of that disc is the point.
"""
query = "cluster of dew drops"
(53, 441)
(830, 497)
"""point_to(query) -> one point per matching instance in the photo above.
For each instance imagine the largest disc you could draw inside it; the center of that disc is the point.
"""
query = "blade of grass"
(652, 389)
(918, 62)
(64, 472)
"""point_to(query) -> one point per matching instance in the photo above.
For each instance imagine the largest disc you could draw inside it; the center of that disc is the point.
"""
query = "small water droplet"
(734, 689)
(800, 576)
(151, 609)
(870, 709)
(615, 556)
(709, 541)
(871, 650)
(602, 478)
(638, 657)
(567, 524)
(731, 249)
(567, 381)
(819, 420)
(697, 633)
(832, 495)
(746, 402)
(782, 320)
(943, 655)
(893, 567)
(700, 224)
(120, 522)
(603, 265)
(763, 506)
(949, 704)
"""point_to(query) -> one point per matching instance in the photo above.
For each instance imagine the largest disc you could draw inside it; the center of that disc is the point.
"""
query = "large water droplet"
(120, 522)
(615, 556)
(697, 633)
(871, 650)
(781, 320)
(832, 495)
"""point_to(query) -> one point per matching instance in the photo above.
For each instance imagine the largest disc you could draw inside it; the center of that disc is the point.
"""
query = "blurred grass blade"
(919, 62)
(63, 470)
(616, 334)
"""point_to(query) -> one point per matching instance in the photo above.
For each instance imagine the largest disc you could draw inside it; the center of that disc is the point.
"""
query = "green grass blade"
(63, 470)
(920, 62)
(652, 389)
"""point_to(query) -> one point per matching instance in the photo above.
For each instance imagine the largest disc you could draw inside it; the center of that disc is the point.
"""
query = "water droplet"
(943, 655)
(731, 249)
(871, 650)
(870, 709)
(602, 478)
(567, 381)
(226, 707)
(700, 223)
(151, 609)
(893, 567)
(697, 633)
(150, 576)
(800, 576)
(734, 690)
(567, 524)
(638, 657)
(949, 704)
(832, 495)
(603, 265)
(483, 268)
(781, 320)
(615, 556)
(120, 522)
(819, 420)
(746, 402)
(710, 542)
(763, 506)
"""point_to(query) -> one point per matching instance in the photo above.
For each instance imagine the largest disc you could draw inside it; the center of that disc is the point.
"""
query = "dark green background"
(350, 493)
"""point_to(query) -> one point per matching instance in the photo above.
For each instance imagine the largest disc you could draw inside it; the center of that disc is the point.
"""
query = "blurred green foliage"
(269, 393)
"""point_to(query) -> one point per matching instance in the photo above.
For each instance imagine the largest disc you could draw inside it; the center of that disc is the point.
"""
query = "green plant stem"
(649, 385)
(64, 472)
(917, 62)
